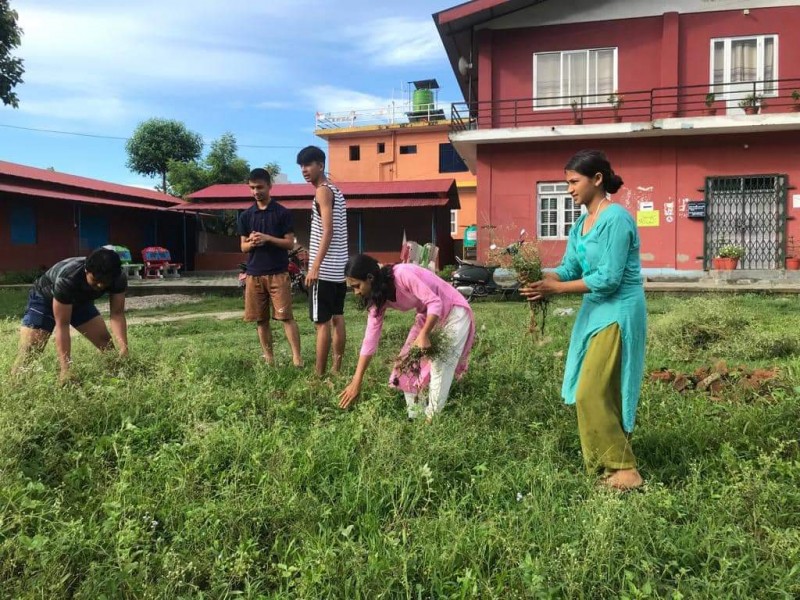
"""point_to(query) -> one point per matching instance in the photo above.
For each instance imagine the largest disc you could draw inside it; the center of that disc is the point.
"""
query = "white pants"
(443, 371)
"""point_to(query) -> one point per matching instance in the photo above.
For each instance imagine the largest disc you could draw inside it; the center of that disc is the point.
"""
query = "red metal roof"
(456, 27)
(57, 195)
(351, 189)
(466, 9)
(112, 193)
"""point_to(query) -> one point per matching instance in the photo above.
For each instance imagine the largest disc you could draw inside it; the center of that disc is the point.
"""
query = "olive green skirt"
(598, 399)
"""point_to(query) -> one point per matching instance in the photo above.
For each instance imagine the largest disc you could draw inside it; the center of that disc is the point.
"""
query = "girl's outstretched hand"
(349, 394)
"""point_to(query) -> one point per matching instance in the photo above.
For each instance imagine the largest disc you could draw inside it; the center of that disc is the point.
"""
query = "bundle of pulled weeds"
(527, 263)
(410, 363)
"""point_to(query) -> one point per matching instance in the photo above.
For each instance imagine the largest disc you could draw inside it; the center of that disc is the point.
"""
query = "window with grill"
(743, 60)
(453, 222)
(557, 212)
(583, 75)
(408, 149)
(748, 211)
(355, 152)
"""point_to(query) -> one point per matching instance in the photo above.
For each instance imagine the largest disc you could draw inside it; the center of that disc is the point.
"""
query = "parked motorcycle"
(297, 271)
(475, 280)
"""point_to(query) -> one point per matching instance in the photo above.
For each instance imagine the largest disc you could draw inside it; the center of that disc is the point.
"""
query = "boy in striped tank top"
(328, 255)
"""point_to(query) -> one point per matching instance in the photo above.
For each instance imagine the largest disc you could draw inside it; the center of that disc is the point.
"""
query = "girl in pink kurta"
(407, 287)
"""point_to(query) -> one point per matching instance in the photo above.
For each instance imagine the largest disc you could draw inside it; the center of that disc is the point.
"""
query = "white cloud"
(95, 108)
(329, 98)
(118, 50)
(397, 41)
(274, 104)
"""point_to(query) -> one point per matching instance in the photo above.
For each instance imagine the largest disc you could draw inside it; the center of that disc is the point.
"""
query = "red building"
(697, 109)
(47, 216)
(378, 215)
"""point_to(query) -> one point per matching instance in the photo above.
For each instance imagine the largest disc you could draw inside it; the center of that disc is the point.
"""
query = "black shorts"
(326, 300)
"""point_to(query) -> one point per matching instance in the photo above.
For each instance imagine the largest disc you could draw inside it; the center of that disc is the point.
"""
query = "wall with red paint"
(657, 170)
(57, 233)
(669, 50)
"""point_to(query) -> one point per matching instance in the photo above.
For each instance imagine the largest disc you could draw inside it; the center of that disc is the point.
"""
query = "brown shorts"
(261, 291)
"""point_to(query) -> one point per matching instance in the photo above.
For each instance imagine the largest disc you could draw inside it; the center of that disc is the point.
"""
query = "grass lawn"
(193, 470)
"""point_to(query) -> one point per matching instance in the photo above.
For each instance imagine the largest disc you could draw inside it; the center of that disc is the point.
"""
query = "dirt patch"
(720, 381)
(154, 301)
(220, 316)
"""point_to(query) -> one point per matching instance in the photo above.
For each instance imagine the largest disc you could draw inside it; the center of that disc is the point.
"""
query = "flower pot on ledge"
(751, 110)
(710, 112)
(724, 264)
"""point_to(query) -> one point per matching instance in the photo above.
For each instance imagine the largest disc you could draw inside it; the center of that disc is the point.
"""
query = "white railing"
(394, 113)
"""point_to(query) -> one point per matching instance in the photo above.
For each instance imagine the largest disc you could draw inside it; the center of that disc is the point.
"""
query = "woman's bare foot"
(269, 359)
(623, 480)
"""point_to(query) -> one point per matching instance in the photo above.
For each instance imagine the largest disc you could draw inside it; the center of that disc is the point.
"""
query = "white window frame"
(565, 101)
(559, 190)
(453, 222)
(726, 77)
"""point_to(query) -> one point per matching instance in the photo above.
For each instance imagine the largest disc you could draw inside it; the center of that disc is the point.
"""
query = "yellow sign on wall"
(648, 218)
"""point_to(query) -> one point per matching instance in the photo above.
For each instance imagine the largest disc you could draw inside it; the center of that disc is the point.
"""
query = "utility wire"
(113, 137)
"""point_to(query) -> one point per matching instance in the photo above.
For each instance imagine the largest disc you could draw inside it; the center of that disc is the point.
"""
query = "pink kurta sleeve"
(372, 335)
(416, 287)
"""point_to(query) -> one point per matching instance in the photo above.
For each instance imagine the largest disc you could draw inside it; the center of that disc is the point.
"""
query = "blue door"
(94, 231)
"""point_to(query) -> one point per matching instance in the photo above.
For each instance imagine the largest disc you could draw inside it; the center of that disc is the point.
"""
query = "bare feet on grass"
(269, 359)
(623, 480)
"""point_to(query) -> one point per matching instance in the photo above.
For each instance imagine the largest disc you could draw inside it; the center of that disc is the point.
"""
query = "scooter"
(297, 270)
(474, 280)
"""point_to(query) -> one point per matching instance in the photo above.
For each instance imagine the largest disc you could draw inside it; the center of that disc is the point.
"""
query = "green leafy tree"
(221, 165)
(156, 142)
(11, 68)
(273, 168)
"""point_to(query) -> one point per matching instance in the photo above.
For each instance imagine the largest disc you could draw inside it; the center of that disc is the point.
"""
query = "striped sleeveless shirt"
(332, 268)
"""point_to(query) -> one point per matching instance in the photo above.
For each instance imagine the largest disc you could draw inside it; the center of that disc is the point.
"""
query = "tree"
(156, 142)
(11, 68)
(274, 169)
(221, 165)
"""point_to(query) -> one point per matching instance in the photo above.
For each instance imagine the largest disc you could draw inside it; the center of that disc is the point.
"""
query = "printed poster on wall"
(648, 218)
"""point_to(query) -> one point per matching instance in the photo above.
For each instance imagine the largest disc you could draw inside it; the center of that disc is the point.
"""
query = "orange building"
(407, 142)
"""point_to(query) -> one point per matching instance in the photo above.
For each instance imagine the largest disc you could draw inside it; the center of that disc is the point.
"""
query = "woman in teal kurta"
(605, 362)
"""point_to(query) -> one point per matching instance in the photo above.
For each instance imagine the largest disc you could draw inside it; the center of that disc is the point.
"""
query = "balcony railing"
(768, 96)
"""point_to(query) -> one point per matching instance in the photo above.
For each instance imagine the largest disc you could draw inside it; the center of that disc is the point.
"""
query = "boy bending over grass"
(65, 296)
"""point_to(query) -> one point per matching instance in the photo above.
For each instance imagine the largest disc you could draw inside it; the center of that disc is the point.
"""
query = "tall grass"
(193, 470)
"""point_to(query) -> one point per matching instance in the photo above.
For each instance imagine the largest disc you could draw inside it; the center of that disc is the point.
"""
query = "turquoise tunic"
(607, 259)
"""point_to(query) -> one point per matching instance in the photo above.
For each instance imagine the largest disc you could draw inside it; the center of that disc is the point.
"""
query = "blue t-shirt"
(275, 220)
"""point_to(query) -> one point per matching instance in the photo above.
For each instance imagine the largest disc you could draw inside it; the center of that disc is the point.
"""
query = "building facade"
(378, 216)
(385, 145)
(47, 216)
(696, 103)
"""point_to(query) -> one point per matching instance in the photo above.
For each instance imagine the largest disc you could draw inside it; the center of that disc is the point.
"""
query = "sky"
(260, 70)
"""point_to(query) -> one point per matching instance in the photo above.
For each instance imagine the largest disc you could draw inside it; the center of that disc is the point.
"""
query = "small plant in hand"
(528, 264)
(410, 363)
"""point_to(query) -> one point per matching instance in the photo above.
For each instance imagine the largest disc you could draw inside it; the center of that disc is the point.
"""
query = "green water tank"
(422, 100)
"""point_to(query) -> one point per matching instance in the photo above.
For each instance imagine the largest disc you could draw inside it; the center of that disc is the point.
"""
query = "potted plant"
(710, 110)
(752, 103)
(796, 98)
(728, 257)
(577, 112)
(616, 101)
(792, 255)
